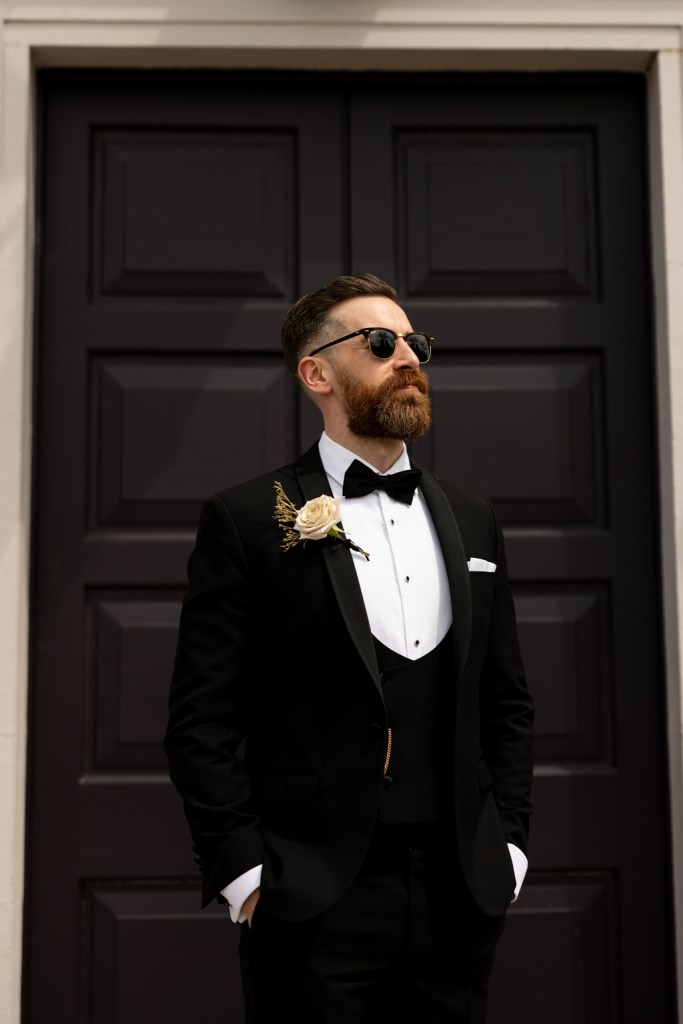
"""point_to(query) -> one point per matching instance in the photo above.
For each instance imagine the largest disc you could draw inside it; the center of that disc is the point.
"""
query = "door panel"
(179, 216)
(517, 237)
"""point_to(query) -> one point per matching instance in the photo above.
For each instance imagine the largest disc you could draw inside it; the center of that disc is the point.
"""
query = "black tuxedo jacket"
(277, 729)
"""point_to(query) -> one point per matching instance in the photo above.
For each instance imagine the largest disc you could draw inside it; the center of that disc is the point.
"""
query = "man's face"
(382, 398)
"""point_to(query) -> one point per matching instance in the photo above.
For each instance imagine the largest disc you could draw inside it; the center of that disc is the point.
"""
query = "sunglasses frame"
(366, 331)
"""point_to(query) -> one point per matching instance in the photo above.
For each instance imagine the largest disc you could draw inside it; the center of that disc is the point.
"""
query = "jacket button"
(387, 781)
(376, 727)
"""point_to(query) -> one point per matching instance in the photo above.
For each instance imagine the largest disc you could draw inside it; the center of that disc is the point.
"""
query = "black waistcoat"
(411, 694)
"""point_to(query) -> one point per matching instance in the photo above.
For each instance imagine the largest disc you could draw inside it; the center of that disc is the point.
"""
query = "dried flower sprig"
(317, 519)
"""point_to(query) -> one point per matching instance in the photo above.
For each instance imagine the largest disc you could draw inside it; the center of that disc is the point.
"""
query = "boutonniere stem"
(317, 519)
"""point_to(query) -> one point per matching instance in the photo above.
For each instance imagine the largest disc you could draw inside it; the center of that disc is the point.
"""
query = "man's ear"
(315, 374)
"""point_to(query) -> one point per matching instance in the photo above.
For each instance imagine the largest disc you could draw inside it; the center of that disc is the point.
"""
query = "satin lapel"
(456, 565)
(339, 563)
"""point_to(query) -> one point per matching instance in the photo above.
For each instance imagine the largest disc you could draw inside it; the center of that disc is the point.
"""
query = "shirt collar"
(336, 460)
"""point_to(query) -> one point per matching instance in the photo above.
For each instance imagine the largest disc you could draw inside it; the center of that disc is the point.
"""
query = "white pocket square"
(481, 565)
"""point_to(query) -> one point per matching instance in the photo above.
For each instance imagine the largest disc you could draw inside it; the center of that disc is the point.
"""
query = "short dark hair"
(308, 317)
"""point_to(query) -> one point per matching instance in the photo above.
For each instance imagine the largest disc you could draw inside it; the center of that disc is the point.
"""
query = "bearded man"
(350, 726)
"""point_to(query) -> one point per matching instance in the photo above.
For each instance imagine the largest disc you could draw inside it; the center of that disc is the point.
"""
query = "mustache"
(404, 378)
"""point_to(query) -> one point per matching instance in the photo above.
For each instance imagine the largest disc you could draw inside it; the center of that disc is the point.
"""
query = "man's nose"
(404, 355)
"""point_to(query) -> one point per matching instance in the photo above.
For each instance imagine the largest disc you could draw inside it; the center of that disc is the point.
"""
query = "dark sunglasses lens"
(382, 343)
(419, 343)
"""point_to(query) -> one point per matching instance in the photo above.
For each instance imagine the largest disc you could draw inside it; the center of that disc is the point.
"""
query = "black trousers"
(406, 942)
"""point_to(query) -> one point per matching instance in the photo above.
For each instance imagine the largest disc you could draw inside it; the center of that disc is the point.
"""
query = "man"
(350, 727)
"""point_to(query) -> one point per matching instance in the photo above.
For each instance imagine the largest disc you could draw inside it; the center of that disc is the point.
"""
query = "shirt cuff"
(238, 890)
(519, 866)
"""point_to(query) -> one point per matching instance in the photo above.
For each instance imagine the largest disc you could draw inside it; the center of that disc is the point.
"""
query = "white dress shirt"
(404, 586)
(404, 583)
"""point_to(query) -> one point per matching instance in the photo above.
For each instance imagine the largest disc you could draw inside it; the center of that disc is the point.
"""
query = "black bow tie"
(359, 479)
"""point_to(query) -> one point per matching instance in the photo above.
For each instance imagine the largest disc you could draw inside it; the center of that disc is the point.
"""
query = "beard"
(383, 411)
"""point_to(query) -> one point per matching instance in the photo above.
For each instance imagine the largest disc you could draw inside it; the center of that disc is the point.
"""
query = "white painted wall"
(643, 35)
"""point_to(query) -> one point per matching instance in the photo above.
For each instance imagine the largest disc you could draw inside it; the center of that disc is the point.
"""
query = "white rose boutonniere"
(317, 519)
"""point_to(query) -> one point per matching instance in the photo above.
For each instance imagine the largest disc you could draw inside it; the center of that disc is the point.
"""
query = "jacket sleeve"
(208, 704)
(507, 711)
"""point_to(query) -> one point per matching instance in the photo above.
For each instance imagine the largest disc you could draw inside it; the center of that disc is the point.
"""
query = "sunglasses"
(383, 342)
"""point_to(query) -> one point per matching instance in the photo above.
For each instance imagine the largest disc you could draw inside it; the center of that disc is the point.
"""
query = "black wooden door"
(179, 216)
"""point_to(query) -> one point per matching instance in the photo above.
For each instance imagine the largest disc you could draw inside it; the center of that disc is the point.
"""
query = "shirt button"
(407, 579)
(391, 521)
(416, 644)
